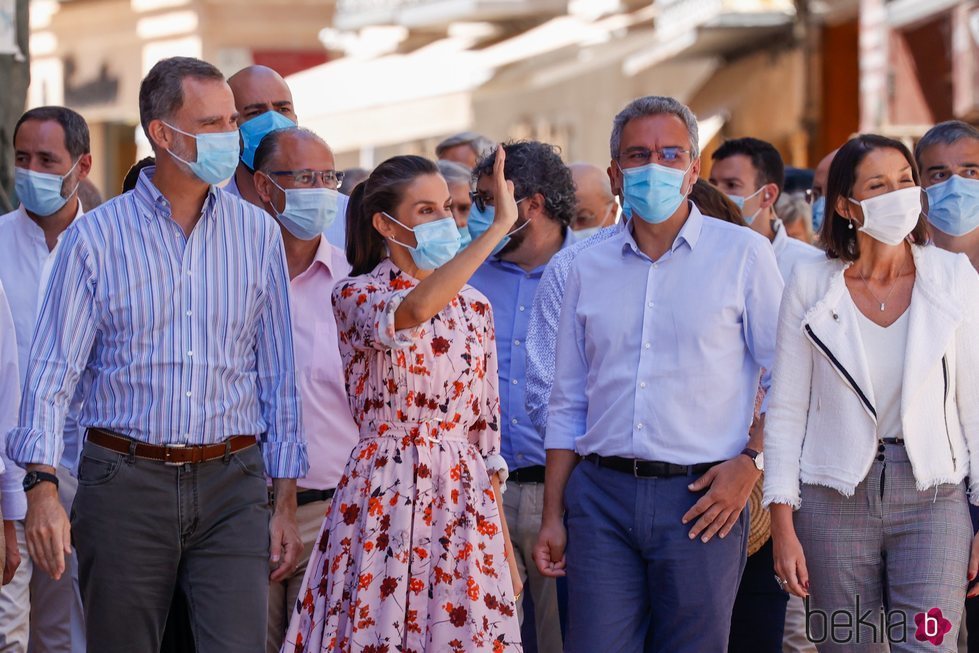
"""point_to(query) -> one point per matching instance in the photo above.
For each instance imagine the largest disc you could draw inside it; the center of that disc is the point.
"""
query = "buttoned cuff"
(285, 459)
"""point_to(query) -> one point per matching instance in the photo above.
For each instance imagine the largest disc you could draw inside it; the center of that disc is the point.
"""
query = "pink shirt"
(330, 430)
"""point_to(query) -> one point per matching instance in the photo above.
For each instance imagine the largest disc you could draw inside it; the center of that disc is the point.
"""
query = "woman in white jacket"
(873, 421)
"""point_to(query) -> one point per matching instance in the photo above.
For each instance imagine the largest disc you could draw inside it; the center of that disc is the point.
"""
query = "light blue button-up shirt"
(660, 360)
(511, 292)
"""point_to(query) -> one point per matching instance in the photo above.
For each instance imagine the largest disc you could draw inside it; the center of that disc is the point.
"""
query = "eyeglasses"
(812, 195)
(330, 178)
(481, 201)
(640, 156)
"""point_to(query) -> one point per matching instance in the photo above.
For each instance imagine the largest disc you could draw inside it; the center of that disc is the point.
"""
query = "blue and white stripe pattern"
(188, 340)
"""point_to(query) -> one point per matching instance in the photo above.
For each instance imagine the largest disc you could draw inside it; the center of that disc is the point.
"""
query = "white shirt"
(23, 254)
(789, 251)
(885, 348)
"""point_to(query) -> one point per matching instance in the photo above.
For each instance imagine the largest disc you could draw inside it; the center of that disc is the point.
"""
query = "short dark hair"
(269, 145)
(945, 133)
(763, 155)
(380, 192)
(836, 235)
(536, 167)
(132, 177)
(162, 92)
(77, 140)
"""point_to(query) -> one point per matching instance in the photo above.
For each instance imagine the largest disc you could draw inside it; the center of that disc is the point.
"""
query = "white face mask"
(890, 217)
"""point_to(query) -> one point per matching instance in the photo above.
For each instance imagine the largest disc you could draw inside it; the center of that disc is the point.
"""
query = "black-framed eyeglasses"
(640, 156)
(481, 202)
(330, 178)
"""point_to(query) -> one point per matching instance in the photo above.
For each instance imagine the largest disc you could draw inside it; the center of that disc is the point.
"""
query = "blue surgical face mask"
(464, 238)
(584, 234)
(653, 192)
(40, 192)
(480, 221)
(438, 241)
(818, 213)
(308, 211)
(217, 155)
(253, 131)
(740, 200)
(953, 205)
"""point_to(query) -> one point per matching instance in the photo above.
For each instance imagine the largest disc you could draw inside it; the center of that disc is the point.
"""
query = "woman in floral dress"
(412, 556)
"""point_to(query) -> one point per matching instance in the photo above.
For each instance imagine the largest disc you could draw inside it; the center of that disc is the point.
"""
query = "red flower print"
(375, 507)
(457, 614)
(440, 345)
(421, 553)
(491, 601)
(382, 541)
(364, 581)
(423, 471)
(388, 587)
(416, 585)
(350, 513)
(473, 590)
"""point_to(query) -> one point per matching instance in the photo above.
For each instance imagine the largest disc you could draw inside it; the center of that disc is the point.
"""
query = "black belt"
(532, 474)
(647, 468)
(312, 496)
(897, 441)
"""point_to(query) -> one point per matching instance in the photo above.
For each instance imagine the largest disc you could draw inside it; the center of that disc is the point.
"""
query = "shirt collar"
(689, 233)
(538, 271)
(152, 202)
(35, 231)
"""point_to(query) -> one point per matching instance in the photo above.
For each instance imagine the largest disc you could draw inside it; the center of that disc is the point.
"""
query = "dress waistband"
(433, 430)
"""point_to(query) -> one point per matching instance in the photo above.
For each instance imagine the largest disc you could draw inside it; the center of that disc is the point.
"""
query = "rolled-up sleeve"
(284, 443)
(63, 339)
(568, 406)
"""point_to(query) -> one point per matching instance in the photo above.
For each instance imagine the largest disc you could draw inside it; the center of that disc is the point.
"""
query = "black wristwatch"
(757, 457)
(32, 479)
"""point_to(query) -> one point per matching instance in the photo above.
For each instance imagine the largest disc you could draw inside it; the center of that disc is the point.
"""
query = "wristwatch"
(32, 479)
(757, 457)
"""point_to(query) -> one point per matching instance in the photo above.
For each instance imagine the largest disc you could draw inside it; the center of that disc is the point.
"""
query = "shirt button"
(188, 393)
(519, 456)
(189, 273)
(650, 304)
(190, 353)
(516, 343)
(189, 313)
(186, 436)
(656, 266)
(642, 384)
(513, 421)
(514, 382)
(639, 426)
(647, 345)
(522, 308)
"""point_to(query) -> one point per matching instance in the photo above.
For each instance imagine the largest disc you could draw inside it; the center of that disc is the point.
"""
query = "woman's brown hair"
(837, 235)
(380, 192)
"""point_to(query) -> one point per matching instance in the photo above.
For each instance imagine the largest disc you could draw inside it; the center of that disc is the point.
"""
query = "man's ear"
(263, 186)
(769, 195)
(158, 134)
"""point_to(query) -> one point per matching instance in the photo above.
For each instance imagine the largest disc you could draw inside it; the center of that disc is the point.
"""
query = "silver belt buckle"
(635, 468)
(166, 455)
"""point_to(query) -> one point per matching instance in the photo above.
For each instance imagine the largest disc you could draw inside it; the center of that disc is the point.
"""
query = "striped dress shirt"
(187, 340)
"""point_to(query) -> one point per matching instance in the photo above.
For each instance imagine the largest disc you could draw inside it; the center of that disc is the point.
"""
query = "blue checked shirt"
(660, 360)
(187, 340)
(511, 292)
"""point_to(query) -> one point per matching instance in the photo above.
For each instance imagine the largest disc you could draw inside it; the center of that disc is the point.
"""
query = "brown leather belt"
(173, 454)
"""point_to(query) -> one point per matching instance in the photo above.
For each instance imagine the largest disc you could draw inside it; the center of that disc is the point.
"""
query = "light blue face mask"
(953, 205)
(217, 155)
(308, 211)
(818, 213)
(653, 192)
(253, 131)
(740, 200)
(480, 221)
(438, 241)
(40, 192)
(465, 238)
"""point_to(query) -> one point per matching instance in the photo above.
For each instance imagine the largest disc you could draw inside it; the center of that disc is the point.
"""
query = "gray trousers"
(884, 557)
(141, 527)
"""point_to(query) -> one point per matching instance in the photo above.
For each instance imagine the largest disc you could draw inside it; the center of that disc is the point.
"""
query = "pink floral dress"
(411, 554)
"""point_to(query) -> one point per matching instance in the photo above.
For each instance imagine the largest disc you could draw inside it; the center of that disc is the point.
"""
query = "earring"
(849, 224)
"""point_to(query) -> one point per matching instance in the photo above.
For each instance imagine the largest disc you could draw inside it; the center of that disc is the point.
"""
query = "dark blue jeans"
(636, 582)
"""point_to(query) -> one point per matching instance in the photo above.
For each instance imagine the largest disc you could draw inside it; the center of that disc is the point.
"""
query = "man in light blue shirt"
(509, 279)
(664, 330)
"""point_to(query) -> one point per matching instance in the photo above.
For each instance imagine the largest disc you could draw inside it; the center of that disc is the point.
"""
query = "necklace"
(882, 302)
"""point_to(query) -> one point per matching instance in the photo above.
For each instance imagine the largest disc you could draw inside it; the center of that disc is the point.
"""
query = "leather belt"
(312, 496)
(647, 468)
(173, 454)
(532, 474)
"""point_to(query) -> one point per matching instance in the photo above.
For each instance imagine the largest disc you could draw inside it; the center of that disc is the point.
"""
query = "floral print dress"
(411, 554)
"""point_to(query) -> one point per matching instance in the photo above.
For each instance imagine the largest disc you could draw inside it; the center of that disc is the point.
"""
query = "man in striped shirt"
(173, 299)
